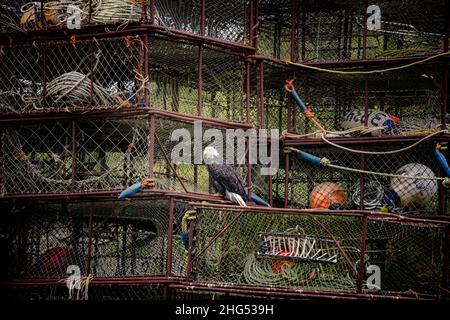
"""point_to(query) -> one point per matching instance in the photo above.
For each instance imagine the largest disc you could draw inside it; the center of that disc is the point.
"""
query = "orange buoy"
(327, 195)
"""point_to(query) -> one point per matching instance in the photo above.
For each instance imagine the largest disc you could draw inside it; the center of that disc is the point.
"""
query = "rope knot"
(325, 161)
(446, 182)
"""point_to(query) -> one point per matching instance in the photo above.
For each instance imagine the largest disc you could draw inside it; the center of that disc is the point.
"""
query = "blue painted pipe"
(308, 158)
(298, 100)
(131, 190)
(257, 199)
(442, 161)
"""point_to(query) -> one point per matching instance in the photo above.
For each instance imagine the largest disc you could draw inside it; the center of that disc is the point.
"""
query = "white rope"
(383, 152)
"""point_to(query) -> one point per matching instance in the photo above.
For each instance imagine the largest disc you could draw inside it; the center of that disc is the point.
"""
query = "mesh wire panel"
(180, 15)
(407, 28)
(334, 30)
(192, 141)
(173, 68)
(223, 86)
(49, 238)
(412, 95)
(110, 155)
(60, 76)
(233, 257)
(226, 20)
(408, 254)
(130, 239)
(321, 187)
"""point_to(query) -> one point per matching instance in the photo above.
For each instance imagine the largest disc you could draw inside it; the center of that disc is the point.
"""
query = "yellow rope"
(367, 72)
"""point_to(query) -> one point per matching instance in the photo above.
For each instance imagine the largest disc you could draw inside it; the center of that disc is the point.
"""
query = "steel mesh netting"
(329, 31)
(226, 20)
(409, 254)
(334, 31)
(180, 15)
(323, 187)
(223, 86)
(129, 239)
(95, 292)
(274, 29)
(233, 257)
(319, 187)
(192, 177)
(408, 27)
(109, 156)
(56, 76)
(47, 239)
(413, 95)
(173, 69)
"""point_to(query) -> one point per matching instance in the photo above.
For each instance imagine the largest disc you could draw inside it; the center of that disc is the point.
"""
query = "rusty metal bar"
(170, 163)
(152, 11)
(190, 251)
(216, 236)
(172, 35)
(270, 192)
(372, 215)
(364, 51)
(74, 155)
(170, 237)
(151, 145)
(445, 265)
(261, 94)
(362, 262)
(146, 72)
(286, 179)
(90, 229)
(256, 26)
(200, 80)
(202, 17)
(283, 292)
(250, 27)
(294, 35)
(249, 169)
(247, 90)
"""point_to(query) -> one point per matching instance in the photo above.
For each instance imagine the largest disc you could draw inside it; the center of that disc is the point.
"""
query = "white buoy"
(414, 191)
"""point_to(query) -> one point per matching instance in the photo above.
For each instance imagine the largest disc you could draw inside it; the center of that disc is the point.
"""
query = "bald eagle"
(224, 178)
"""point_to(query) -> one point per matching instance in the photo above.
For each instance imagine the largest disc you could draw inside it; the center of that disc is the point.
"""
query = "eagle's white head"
(211, 156)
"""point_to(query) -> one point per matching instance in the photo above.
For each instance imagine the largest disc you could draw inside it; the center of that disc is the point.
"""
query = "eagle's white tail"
(234, 197)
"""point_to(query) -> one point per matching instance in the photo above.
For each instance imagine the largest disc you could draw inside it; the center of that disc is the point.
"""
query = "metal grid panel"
(173, 71)
(226, 19)
(180, 15)
(194, 177)
(409, 254)
(60, 76)
(130, 239)
(233, 258)
(110, 155)
(413, 95)
(49, 239)
(408, 27)
(223, 86)
(334, 30)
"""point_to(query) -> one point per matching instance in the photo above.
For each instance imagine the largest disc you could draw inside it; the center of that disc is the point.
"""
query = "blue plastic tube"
(128, 192)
